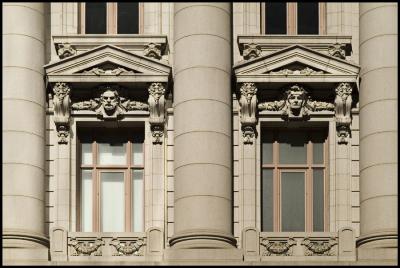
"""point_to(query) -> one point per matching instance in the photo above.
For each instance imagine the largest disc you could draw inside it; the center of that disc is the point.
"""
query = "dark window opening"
(275, 18)
(95, 18)
(128, 18)
(307, 18)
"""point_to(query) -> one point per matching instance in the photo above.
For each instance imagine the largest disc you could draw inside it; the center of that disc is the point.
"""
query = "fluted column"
(24, 127)
(203, 128)
(378, 127)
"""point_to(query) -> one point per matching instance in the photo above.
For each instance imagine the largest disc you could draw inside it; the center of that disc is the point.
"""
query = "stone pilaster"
(203, 130)
(24, 132)
(378, 131)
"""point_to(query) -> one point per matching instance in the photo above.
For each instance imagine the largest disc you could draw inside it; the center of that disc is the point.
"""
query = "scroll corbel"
(157, 111)
(61, 102)
(343, 101)
(248, 109)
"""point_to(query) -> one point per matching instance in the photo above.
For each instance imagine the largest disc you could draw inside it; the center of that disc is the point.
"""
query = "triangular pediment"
(107, 62)
(296, 60)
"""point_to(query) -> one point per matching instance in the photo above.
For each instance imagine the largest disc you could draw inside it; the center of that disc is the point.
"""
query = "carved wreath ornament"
(319, 248)
(128, 248)
(86, 248)
(278, 248)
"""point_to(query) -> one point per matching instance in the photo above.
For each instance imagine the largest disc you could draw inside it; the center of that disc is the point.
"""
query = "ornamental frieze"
(86, 248)
(319, 248)
(306, 71)
(277, 248)
(116, 71)
(128, 248)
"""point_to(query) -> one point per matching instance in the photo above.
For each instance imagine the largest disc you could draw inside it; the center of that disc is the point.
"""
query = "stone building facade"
(200, 138)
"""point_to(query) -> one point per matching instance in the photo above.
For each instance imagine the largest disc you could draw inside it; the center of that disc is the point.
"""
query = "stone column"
(203, 126)
(378, 130)
(24, 132)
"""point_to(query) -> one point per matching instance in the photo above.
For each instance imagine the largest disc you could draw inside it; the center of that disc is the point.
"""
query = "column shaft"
(203, 126)
(378, 125)
(24, 125)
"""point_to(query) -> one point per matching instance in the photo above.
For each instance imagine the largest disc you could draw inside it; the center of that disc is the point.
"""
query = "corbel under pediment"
(296, 63)
(107, 64)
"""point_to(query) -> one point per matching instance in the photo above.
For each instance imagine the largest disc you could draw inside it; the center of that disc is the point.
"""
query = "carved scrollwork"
(61, 101)
(117, 71)
(343, 101)
(65, 50)
(128, 248)
(337, 50)
(110, 105)
(157, 111)
(86, 248)
(296, 104)
(306, 71)
(153, 50)
(278, 248)
(251, 51)
(248, 109)
(319, 248)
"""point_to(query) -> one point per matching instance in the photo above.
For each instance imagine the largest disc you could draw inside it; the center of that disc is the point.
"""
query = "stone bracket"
(248, 110)
(343, 101)
(61, 102)
(157, 111)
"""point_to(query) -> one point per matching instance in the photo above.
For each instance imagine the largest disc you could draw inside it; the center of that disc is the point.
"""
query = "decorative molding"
(117, 71)
(110, 106)
(86, 248)
(296, 104)
(337, 50)
(153, 50)
(278, 248)
(319, 248)
(251, 51)
(61, 101)
(128, 248)
(343, 101)
(306, 71)
(65, 50)
(156, 102)
(248, 110)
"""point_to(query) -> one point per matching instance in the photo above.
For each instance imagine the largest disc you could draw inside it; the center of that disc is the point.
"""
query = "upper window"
(110, 18)
(294, 180)
(293, 18)
(111, 185)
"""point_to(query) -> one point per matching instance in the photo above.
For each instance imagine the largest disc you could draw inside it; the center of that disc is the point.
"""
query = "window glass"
(112, 202)
(307, 17)
(128, 18)
(86, 157)
(267, 201)
(112, 153)
(95, 18)
(275, 18)
(292, 147)
(137, 154)
(86, 200)
(292, 201)
(267, 142)
(318, 200)
(137, 200)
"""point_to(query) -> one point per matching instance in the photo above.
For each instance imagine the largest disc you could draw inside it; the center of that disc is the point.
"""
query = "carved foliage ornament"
(278, 248)
(157, 111)
(319, 248)
(251, 51)
(128, 248)
(61, 102)
(343, 101)
(109, 105)
(306, 71)
(86, 248)
(296, 104)
(337, 50)
(153, 50)
(65, 50)
(99, 71)
(248, 109)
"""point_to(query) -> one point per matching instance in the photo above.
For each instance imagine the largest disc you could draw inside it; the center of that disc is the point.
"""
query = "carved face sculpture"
(296, 100)
(109, 100)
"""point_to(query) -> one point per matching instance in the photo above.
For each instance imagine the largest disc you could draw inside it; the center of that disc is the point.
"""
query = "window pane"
(267, 141)
(318, 139)
(307, 18)
(86, 200)
(318, 200)
(292, 147)
(137, 154)
(112, 202)
(87, 157)
(95, 18)
(267, 201)
(128, 18)
(292, 200)
(275, 18)
(112, 153)
(137, 200)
